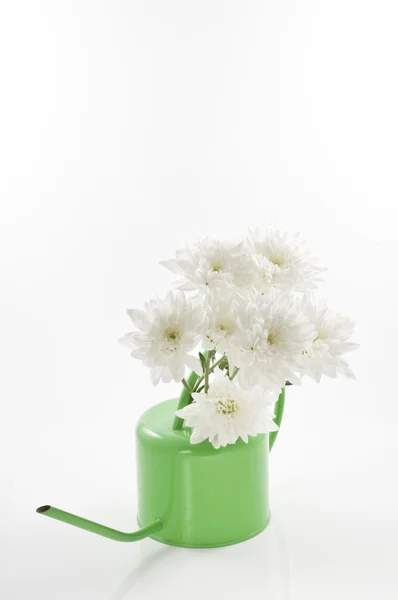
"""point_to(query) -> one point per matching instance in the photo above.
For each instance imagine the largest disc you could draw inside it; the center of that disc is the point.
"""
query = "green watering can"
(193, 496)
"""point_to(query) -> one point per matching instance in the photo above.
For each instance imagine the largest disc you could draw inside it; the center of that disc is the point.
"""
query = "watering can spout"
(112, 534)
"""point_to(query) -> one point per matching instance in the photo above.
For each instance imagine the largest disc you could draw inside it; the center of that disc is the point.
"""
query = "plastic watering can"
(189, 495)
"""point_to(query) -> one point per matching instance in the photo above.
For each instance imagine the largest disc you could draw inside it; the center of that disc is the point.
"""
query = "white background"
(127, 127)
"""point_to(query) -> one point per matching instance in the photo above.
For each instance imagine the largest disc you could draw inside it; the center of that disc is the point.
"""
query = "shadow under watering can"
(194, 496)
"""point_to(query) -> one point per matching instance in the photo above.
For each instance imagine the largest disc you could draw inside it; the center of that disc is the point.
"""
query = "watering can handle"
(279, 407)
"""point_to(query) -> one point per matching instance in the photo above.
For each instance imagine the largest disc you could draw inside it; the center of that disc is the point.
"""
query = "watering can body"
(192, 495)
(205, 497)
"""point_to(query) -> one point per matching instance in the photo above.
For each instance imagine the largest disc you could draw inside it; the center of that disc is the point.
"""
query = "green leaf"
(202, 359)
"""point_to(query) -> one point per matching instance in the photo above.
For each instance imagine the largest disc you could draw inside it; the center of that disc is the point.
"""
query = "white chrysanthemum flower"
(228, 412)
(220, 320)
(282, 260)
(272, 334)
(323, 356)
(211, 263)
(167, 331)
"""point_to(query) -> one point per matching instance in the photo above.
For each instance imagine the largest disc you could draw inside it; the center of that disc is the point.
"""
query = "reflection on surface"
(143, 566)
(261, 564)
(284, 560)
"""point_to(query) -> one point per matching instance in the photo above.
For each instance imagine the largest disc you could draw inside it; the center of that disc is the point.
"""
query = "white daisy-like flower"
(272, 334)
(228, 412)
(282, 260)
(167, 331)
(211, 263)
(323, 356)
(220, 320)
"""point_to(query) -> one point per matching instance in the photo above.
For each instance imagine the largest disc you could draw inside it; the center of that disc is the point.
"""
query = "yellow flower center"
(227, 407)
(216, 268)
(276, 260)
(172, 335)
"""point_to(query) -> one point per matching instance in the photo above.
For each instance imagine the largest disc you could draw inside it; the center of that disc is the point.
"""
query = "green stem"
(186, 386)
(193, 382)
(201, 378)
(234, 374)
(207, 371)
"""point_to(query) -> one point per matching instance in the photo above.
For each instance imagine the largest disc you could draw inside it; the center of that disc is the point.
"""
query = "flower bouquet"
(249, 308)
(244, 319)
